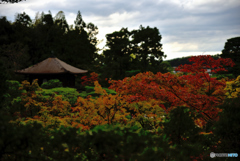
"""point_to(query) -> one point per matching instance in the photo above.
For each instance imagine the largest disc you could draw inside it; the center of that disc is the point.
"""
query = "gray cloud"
(185, 25)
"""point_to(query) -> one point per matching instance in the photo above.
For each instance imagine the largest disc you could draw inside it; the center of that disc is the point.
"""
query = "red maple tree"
(192, 87)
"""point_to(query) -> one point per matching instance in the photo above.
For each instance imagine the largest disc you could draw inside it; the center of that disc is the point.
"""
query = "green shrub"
(221, 76)
(89, 90)
(132, 72)
(71, 94)
(184, 134)
(13, 88)
(53, 83)
(12, 92)
(104, 142)
(227, 129)
(68, 94)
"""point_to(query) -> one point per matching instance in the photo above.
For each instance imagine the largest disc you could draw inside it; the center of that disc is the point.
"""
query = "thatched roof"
(51, 66)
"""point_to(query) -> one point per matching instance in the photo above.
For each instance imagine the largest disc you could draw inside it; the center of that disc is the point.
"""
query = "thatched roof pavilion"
(52, 68)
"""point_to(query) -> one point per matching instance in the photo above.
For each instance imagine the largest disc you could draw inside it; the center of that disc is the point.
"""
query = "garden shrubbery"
(144, 117)
(53, 83)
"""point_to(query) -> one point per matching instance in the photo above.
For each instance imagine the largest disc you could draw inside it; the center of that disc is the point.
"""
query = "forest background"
(149, 111)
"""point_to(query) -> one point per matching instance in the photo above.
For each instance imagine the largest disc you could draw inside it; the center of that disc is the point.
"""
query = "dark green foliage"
(61, 21)
(221, 76)
(232, 50)
(184, 134)
(121, 143)
(71, 94)
(147, 49)
(227, 129)
(53, 83)
(165, 67)
(12, 53)
(13, 56)
(6, 31)
(23, 19)
(68, 94)
(78, 50)
(184, 60)
(132, 50)
(104, 142)
(12, 92)
(79, 45)
(26, 42)
(179, 61)
(89, 90)
(32, 142)
(79, 22)
(132, 72)
(117, 57)
(10, 1)
(20, 142)
(184, 127)
(3, 78)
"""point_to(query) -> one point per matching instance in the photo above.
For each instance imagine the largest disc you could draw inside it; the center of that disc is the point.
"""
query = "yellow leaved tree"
(233, 88)
(105, 109)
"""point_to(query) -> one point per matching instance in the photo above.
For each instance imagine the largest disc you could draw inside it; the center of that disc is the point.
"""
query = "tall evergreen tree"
(7, 31)
(79, 23)
(117, 56)
(61, 21)
(38, 39)
(43, 34)
(136, 50)
(13, 48)
(79, 49)
(232, 50)
(3, 78)
(147, 48)
(23, 19)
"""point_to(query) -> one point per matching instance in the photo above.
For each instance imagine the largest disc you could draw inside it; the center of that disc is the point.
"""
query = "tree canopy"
(133, 50)
(27, 41)
(232, 50)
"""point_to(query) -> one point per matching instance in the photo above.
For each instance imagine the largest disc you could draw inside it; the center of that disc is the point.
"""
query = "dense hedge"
(101, 143)
(53, 83)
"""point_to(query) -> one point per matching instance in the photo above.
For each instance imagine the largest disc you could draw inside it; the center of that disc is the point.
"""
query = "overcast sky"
(188, 27)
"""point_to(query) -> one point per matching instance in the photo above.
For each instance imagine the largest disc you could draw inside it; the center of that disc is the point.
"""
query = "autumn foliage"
(145, 100)
(89, 80)
(233, 88)
(106, 109)
(195, 89)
